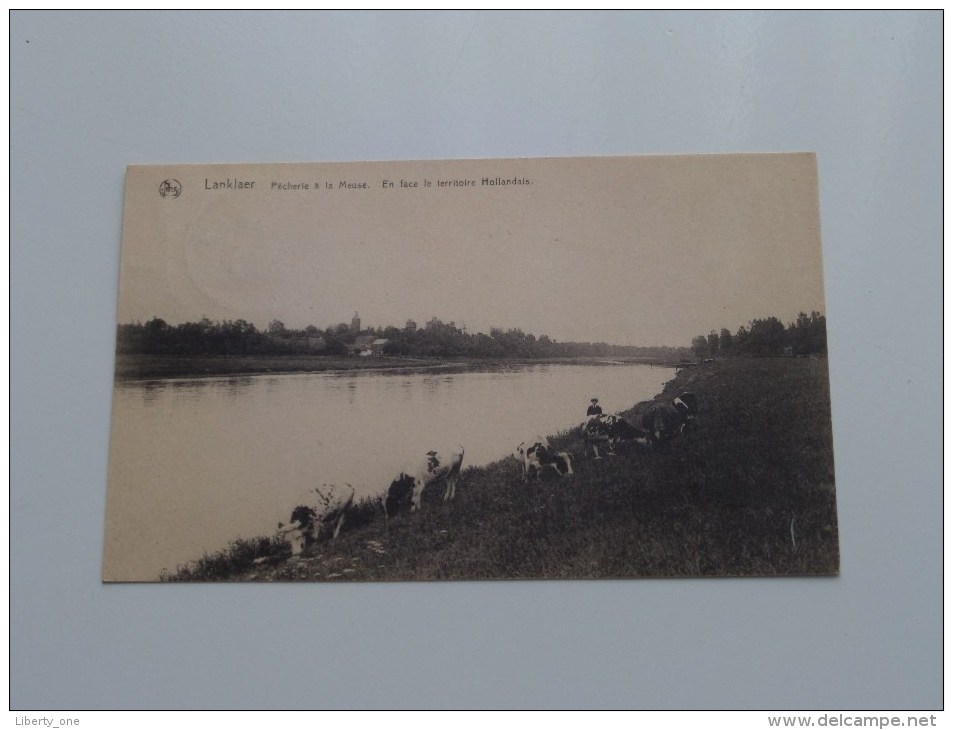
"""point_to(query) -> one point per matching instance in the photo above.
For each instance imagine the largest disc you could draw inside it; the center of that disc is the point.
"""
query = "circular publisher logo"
(170, 188)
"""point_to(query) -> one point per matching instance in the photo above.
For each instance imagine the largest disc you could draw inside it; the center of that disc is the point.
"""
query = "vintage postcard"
(472, 369)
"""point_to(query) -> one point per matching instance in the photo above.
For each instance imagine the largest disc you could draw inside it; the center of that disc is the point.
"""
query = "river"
(198, 462)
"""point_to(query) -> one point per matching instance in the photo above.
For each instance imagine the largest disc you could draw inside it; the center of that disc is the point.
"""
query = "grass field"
(749, 492)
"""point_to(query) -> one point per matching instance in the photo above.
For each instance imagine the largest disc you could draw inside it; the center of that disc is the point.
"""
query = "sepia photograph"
(541, 368)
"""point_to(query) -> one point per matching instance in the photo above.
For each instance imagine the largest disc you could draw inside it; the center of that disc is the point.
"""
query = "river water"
(198, 462)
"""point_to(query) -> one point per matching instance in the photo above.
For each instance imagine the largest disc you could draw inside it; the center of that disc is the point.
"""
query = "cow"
(666, 421)
(323, 511)
(410, 482)
(610, 430)
(537, 455)
(687, 404)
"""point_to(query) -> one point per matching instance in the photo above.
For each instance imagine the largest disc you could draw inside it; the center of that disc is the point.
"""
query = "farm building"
(367, 345)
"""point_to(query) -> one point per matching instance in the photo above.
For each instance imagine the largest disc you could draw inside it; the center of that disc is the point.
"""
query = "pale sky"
(632, 250)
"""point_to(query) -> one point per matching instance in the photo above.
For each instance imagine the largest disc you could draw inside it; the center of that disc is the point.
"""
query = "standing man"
(593, 430)
(594, 409)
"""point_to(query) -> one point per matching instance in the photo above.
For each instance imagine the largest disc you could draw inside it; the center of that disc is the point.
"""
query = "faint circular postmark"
(170, 188)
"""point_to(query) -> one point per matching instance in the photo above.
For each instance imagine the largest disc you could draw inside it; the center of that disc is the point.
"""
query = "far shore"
(153, 367)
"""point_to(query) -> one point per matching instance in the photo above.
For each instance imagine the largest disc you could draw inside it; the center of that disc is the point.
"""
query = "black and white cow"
(538, 455)
(687, 404)
(320, 513)
(610, 430)
(666, 421)
(410, 482)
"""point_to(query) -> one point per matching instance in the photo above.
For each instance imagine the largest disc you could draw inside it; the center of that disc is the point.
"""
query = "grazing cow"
(664, 422)
(687, 404)
(411, 481)
(537, 455)
(322, 511)
(610, 430)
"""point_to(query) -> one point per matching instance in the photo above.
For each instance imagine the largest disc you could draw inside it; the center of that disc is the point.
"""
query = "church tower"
(355, 323)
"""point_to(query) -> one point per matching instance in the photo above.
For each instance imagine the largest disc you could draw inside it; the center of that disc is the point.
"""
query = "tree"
(741, 340)
(766, 337)
(396, 347)
(725, 343)
(157, 336)
(276, 328)
(712, 344)
(700, 346)
(156, 325)
(818, 338)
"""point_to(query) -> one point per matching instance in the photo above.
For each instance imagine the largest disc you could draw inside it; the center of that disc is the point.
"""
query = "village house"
(367, 345)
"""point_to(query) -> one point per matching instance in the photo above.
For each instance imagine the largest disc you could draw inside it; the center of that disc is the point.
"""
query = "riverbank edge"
(266, 559)
(233, 562)
(132, 368)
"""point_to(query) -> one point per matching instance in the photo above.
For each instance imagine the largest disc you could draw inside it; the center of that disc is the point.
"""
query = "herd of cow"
(327, 507)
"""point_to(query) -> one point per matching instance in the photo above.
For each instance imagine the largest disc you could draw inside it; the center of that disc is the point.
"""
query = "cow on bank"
(320, 514)
(537, 456)
(610, 430)
(665, 422)
(410, 482)
(687, 405)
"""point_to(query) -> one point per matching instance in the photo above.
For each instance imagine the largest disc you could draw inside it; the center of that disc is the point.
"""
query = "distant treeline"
(766, 338)
(436, 339)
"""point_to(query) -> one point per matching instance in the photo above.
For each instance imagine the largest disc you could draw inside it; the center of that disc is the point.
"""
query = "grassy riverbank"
(749, 492)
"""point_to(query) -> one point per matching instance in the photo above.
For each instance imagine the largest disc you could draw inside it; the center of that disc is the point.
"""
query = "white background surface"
(93, 92)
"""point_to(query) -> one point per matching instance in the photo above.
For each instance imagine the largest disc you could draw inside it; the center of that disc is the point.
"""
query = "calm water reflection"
(195, 463)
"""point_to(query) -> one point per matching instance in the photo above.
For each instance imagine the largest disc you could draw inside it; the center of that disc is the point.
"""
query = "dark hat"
(595, 400)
